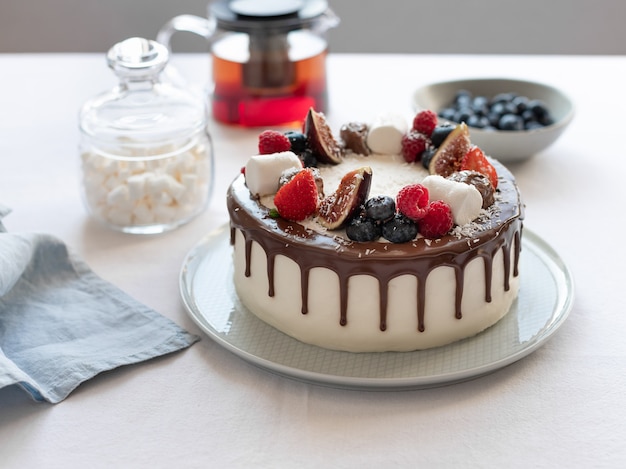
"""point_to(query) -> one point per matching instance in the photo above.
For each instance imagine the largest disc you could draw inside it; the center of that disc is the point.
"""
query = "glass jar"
(147, 158)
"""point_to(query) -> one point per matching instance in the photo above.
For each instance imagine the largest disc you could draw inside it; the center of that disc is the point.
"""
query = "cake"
(376, 240)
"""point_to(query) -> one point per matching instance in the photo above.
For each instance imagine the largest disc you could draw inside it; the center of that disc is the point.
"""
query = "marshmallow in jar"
(147, 159)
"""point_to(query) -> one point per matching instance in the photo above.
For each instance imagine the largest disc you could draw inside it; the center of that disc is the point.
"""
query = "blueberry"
(308, 159)
(520, 103)
(498, 108)
(439, 135)
(546, 120)
(480, 105)
(494, 118)
(363, 229)
(511, 122)
(528, 116)
(297, 140)
(533, 125)
(399, 229)
(380, 208)
(510, 108)
(447, 113)
(479, 122)
(538, 108)
(427, 156)
(462, 115)
(462, 98)
(503, 98)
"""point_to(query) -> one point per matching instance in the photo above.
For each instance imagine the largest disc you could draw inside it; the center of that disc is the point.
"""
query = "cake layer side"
(358, 329)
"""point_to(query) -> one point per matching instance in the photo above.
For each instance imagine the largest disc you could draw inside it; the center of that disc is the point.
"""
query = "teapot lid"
(262, 15)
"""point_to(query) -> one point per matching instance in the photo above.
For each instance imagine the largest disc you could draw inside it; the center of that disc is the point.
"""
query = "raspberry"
(413, 145)
(425, 122)
(412, 201)
(272, 141)
(437, 221)
(298, 198)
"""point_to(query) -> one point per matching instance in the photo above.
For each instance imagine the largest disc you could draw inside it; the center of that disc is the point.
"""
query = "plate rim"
(530, 240)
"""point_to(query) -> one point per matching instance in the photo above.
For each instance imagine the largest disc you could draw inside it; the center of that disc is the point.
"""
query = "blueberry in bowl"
(509, 119)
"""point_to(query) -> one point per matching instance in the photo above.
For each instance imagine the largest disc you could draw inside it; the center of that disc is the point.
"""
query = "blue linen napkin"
(61, 324)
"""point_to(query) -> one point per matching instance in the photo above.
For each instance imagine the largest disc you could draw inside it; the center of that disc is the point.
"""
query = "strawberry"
(475, 160)
(425, 122)
(437, 221)
(298, 198)
(412, 201)
(272, 141)
(413, 145)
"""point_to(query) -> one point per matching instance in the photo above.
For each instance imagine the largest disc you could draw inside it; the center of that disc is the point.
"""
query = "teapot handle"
(191, 23)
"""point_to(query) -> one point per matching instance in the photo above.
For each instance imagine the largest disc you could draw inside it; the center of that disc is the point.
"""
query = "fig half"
(450, 153)
(320, 138)
(337, 209)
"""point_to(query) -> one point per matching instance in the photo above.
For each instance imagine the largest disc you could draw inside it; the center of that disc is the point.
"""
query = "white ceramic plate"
(545, 300)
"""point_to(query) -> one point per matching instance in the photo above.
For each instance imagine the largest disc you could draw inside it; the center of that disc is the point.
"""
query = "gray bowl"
(511, 145)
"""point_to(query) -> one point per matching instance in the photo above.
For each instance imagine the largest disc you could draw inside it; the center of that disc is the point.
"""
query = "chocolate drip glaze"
(384, 261)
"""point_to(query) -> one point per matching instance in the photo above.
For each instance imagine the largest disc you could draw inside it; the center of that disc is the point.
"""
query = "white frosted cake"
(325, 256)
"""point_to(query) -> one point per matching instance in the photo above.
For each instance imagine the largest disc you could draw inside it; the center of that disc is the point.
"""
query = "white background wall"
(423, 26)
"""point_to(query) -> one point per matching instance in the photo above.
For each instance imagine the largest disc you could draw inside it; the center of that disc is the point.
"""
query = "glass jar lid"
(137, 57)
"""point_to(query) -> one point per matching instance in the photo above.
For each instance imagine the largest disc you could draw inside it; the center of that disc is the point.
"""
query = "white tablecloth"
(562, 406)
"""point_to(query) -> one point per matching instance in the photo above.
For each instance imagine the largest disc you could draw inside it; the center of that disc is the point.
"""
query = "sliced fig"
(320, 138)
(448, 157)
(337, 209)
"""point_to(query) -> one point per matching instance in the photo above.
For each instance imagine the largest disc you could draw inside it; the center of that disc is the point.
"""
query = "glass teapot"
(268, 58)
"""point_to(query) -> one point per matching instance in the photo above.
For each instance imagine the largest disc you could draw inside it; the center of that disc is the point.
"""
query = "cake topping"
(440, 133)
(298, 198)
(479, 181)
(353, 136)
(289, 174)
(273, 141)
(297, 141)
(320, 138)
(475, 160)
(263, 172)
(413, 145)
(363, 229)
(448, 157)
(385, 134)
(464, 200)
(380, 208)
(336, 210)
(444, 150)
(437, 221)
(399, 229)
(425, 122)
(412, 201)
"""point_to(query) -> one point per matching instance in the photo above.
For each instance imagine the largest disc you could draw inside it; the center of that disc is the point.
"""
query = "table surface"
(562, 406)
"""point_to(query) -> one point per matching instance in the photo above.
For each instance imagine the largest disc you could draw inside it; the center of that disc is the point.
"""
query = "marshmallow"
(263, 171)
(464, 200)
(385, 134)
(119, 197)
(143, 214)
(136, 186)
(157, 191)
